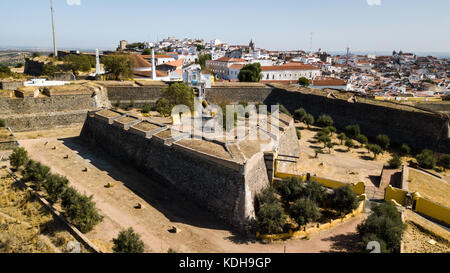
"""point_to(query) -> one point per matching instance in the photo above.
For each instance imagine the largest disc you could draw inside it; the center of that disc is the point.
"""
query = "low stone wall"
(10, 85)
(43, 121)
(30, 105)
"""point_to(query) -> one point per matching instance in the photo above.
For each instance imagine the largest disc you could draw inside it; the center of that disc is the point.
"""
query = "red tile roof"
(139, 61)
(176, 63)
(148, 74)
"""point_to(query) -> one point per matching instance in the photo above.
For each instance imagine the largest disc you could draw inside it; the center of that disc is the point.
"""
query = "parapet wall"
(139, 94)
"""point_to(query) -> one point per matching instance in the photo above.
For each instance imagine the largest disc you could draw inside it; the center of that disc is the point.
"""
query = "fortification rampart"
(221, 185)
(223, 180)
(404, 124)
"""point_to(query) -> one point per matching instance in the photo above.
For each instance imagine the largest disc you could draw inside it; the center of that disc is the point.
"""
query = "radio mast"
(55, 52)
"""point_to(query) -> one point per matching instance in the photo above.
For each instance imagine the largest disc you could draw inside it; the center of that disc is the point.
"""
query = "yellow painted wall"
(305, 232)
(398, 195)
(359, 188)
(432, 209)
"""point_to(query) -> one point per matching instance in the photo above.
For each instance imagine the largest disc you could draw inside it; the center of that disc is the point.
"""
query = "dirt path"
(162, 207)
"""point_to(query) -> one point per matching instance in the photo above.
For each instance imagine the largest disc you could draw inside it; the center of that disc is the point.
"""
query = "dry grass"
(418, 240)
(25, 225)
(429, 187)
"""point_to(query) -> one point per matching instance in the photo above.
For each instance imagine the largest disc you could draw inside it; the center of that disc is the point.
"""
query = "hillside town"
(400, 75)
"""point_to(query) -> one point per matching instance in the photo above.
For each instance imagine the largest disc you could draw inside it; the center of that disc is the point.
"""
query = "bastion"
(222, 176)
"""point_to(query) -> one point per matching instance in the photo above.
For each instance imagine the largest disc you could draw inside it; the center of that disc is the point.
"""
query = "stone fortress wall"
(221, 177)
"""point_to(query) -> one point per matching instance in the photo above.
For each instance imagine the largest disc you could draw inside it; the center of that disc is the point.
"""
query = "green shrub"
(342, 137)
(325, 139)
(426, 159)
(128, 242)
(146, 108)
(271, 218)
(19, 157)
(349, 143)
(36, 173)
(302, 81)
(332, 129)
(300, 114)
(405, 149)
(395, 162)
(69, 196)
(325, 131)
(344, 199)
(55, 185)
(308, 120)
(2, 122)
(163, 107)
(324, 121)
(314, 191)
(385, 226)
(270, 215)
(82, 213)
(352, 131)
(267, 195)
(304, 211)
(444, 161)
(117, 104)
(291, 189)
(299, 134)
(383, 141)
(375, 149)
(362, 139)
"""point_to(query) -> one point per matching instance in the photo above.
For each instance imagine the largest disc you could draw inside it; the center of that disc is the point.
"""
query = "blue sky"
(385, 25)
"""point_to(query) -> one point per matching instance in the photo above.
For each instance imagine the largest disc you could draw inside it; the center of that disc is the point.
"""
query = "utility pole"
(55, 52)
(311, 43)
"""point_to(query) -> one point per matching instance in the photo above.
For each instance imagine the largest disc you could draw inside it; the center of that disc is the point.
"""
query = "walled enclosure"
(222, 177)
(403, 123)
(53, 107)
